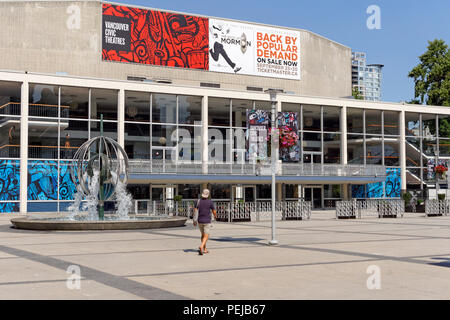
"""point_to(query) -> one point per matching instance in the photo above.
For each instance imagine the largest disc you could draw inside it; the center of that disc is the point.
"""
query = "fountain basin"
(131, 224)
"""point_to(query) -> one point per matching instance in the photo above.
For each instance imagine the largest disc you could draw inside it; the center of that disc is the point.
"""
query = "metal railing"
(215, 168)
(35, 110)
(372, 207)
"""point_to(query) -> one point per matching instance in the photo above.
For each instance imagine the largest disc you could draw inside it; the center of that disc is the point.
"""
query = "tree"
(432, 75)
(356, 94)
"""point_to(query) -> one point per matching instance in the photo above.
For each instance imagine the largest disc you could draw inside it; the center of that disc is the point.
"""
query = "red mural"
(160, 38)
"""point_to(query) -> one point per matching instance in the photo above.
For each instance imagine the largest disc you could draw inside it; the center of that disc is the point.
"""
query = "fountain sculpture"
(100, 172)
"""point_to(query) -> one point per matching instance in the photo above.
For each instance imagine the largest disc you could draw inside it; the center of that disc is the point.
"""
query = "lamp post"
(274, 160)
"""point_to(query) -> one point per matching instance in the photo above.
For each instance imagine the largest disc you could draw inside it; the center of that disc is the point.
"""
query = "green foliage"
(441, 197)
(432, 76)
(356, 94)
(407, 197)
(178, 198)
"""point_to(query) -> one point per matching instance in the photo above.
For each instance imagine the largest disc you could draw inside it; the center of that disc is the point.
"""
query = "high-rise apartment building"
(366, 77)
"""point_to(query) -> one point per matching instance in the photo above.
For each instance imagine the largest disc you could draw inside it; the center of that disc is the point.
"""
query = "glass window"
(109, 129)
(189, 191)
(43, 100)
(332, 191)
(312, 141)
(189, 143)
(189, 109)
(219, 112)
(412, 124)
(391, 152)
(9, 137)
(429, 146)
(74, 102)
(332, 148)
(391, 123)
(240, 108)
(164, 108)
(163, 135)
(43, 140)
(444, 126)
(428, 125)
(355, 120)
(104, 102)
(137, 106)
(311, 118)
(374, 150)
(137, 140)
(373, 121)
(444, 147)
(218, 148)
(355, 149)
(413, 152)
(73, 133)
(331, 119)
(220, 191)
(10, 93)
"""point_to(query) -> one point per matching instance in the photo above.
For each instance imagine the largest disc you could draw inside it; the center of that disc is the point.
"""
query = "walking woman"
(202, 217)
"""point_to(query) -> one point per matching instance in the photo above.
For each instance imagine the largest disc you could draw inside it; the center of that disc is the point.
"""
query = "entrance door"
(250, 193)
(314, 194)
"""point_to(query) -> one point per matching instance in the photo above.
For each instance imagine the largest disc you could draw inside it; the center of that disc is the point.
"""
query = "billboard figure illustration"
(220, 51)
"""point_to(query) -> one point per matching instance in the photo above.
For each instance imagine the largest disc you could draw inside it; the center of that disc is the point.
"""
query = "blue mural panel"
(9, 180)
(358, 191)
(392, 183)
(42, 180)
(67, 188)
(392, 187)
(374, 190)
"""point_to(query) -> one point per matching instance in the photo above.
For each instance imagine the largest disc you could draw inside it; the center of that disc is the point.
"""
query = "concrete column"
(344, 135)
(205, 135)
(279, 191)
(345, 193)
(402, 150)
(24, 147)
(121, 118)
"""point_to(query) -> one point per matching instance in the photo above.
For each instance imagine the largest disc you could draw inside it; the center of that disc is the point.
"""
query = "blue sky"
(406, 26)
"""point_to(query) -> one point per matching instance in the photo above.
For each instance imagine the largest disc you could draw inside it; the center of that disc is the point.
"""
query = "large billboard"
(253, 50)
(154, 37)
(175, 40)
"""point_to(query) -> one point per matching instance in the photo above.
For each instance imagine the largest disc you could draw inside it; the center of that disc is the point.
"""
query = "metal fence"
(262, 211)
(437, 207)
(374, 207)
(227, 211)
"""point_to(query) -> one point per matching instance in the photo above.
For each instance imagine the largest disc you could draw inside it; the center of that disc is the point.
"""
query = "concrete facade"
(65, 37)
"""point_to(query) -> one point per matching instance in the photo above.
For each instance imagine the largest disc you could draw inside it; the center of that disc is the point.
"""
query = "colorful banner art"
(42, 180)
(9, 185)
(258, 122)
(154, 37)
(289, 148)
(250, 49)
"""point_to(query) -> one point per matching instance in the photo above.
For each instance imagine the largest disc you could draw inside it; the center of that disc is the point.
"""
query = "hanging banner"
(258, 122)
(154, 37)
(244, 48)
(289, 148)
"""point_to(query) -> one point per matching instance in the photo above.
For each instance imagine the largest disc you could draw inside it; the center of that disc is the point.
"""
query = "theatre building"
(187, 98)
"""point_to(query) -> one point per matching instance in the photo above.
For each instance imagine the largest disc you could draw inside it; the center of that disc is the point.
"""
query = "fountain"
(100, 172)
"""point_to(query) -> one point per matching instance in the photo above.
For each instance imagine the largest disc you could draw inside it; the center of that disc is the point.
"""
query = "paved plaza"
(322, 258)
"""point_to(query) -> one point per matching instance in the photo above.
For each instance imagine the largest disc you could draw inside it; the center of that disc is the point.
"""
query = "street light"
(273, 101)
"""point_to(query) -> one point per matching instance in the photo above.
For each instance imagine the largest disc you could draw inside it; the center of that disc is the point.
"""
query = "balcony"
(287, 170)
